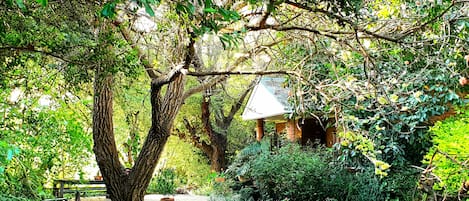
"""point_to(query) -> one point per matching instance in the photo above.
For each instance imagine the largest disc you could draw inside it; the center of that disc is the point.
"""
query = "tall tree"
(215, 127)
(166, 51)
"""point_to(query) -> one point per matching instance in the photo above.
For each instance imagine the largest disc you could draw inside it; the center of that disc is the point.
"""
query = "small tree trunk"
(218, 141)
(218, 158)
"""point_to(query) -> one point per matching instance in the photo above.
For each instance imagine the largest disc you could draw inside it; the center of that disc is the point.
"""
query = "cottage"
(269, 103)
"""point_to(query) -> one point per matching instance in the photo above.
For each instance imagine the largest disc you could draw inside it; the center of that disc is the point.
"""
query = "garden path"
(178, 197)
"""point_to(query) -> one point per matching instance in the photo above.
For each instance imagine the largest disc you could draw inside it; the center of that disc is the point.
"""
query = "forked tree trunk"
(121, 184)
(216, 149)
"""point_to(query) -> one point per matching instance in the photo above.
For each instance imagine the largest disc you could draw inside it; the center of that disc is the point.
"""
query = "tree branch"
(170, 76)
(205, 116)
(280, 28)
(278, 72)
(202, 145)
(343, 20)
(238, 61)
(270, 8)
(151, 71)
(412, 30)
(235, 107)
(34, 50)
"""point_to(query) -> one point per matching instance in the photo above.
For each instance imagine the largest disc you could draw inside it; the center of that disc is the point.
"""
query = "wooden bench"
(79, 188)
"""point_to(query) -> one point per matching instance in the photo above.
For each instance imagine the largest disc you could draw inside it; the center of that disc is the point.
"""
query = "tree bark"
(218, 157)
(218, 141)
(130, 185)
(123, 185)
(103, 135)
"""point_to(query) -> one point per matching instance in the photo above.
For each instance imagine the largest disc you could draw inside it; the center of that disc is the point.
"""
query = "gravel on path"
(178, 197)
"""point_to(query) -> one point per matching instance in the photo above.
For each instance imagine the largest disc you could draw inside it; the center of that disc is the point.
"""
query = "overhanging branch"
(213, 73)
(162, 80)
(33, 49)
(238, 62)
(290, 28)
(343, 20)
(151, 71)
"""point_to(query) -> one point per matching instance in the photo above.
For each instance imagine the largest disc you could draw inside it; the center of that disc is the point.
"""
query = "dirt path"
(181, 197)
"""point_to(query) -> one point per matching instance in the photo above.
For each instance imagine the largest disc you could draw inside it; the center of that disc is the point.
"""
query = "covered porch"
(269, 103)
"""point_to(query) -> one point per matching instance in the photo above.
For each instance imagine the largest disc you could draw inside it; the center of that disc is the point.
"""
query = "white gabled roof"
(268, 100)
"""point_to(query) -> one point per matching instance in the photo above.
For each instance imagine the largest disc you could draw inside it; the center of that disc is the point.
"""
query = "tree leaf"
(42, 2)
(210, 10)
(20, 4)
(382, 101)
(108, 10)
(191, 8)
(394, 98)
(9, 155)
(149, 9)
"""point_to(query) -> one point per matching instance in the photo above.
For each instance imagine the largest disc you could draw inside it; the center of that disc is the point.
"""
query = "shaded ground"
(181, 197)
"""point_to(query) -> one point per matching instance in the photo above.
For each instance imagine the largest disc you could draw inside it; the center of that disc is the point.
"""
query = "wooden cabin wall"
(293, 130)
(280, 127)
(309, 131)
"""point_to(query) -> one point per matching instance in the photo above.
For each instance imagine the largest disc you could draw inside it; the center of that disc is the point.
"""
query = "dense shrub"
(293, 173)
(449, 154)
(164, 183)
(189, 163)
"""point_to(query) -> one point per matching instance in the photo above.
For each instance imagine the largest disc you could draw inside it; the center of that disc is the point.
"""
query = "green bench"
(78, 188)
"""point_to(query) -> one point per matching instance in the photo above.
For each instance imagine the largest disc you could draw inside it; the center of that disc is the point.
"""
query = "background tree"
(41, 113)
(380, 70)
(375, 39)
(211, 135)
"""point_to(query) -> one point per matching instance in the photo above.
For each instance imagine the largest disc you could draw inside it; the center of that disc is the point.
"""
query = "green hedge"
(292, 173)
(451, 144)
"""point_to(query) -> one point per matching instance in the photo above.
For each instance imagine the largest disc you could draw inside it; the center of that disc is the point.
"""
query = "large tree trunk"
(103, 135)
(130, 185)
(121, 184)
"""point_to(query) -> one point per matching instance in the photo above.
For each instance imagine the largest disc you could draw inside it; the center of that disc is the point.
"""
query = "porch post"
(293, 133)
(260, 129)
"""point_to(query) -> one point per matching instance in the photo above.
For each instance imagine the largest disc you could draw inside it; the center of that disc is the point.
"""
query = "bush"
(450, 152)
(292, 173)
(190, 165)
(164, 183)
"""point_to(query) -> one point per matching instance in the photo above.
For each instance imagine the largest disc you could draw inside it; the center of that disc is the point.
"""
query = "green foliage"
(241, 166)
(391, 109)
(7, 152)
(389, 102)
(189, 164)
(109, 9)
(41, 135)
(21, 4)
(449, 154)
(294, 173)
(208, 17)
(164, 183)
